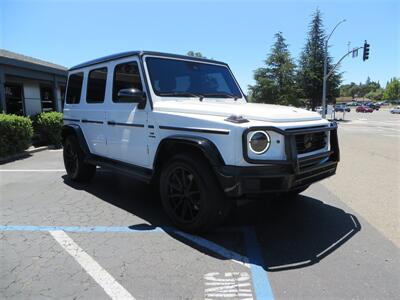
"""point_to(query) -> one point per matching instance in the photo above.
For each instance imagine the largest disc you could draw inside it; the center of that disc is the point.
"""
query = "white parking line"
(101, 276)
(18, 170)
(392, 135)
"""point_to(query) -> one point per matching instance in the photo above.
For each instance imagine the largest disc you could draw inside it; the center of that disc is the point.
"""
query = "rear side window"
(126, 76)
(96, 86)
(74, 88)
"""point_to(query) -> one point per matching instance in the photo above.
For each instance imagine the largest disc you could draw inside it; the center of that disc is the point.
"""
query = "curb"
(24, 154)
(38, 149)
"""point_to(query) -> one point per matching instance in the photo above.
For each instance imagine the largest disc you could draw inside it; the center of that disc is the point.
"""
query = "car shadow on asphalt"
(291, 233)
(15, 157)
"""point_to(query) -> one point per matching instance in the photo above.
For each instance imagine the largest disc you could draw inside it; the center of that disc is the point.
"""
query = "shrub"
(49, 125)
(15, 134)
(37, 139)
(34, 118)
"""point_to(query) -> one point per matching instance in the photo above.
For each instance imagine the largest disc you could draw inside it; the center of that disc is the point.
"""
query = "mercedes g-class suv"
(184, 124)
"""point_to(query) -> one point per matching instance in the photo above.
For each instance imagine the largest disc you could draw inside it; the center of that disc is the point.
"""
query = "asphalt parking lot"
(339, 239)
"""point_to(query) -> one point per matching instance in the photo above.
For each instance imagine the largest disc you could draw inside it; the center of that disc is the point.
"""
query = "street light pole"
(324, 79)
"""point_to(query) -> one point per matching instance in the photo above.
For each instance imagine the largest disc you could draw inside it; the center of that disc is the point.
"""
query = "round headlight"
(259, 142)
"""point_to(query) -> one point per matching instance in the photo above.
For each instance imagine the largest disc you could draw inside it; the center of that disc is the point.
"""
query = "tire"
(77, 169)
(191, 195)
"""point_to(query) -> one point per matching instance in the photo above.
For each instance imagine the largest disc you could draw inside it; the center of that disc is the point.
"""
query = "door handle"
(112, 123)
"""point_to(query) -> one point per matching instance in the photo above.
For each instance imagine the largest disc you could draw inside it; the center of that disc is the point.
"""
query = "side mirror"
(132, 95)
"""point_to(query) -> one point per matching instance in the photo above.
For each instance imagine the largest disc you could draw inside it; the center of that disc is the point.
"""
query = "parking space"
(120, 226)
(381, 122)
(41, 266)
(110, 238)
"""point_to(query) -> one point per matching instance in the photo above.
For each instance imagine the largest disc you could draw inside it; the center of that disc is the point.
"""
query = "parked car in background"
(374, 106)
(342, 108)
(364, 109)
(395, 110)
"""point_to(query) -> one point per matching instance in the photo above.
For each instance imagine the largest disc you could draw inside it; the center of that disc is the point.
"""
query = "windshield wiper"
(182, 94)
(222, 95)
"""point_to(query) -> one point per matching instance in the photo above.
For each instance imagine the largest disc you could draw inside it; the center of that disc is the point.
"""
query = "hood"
(250, 111)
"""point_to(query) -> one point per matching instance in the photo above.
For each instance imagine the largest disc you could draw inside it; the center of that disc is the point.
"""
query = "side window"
(96, 86)
(74, 88)
(126, 76)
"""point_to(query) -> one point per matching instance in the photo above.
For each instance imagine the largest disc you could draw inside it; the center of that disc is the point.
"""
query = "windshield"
(179, 78)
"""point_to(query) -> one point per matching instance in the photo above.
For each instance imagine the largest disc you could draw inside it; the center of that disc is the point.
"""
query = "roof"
(141, 53)
(28, 59)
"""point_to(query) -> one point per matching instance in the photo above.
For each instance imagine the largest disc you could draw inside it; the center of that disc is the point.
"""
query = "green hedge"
(49, 126)
(15, 134)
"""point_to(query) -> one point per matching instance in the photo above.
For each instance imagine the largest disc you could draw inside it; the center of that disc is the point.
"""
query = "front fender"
(207, 147)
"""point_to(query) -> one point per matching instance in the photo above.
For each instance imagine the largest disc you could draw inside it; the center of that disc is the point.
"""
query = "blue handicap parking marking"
(254, 260)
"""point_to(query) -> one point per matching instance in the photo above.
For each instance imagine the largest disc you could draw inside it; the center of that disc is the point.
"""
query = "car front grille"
(310, 142)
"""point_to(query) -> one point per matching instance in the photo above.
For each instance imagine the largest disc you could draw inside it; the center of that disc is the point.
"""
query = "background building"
(29, 86)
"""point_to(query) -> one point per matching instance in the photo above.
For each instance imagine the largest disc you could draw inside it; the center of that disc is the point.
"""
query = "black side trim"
(124, 168)
(151, 126)
(112, 123)
(202, 130)
(72, 120)
(91, 121)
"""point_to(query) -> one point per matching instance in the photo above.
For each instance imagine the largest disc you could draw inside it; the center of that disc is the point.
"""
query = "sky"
(240, 33)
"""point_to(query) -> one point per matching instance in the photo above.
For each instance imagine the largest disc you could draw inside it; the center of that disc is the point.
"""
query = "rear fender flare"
(77, 131)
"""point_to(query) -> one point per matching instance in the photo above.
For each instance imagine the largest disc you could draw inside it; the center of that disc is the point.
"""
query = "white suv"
(184, 123)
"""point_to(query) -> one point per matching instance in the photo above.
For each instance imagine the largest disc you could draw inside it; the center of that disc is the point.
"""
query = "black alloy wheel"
(184, 194)
(71, 159)
(191, 194)
(74, 161)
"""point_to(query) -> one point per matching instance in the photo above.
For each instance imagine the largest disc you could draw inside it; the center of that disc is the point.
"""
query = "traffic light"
(366, 51)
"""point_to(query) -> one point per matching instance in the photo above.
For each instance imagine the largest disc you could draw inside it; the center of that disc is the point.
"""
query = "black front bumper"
(281, 176)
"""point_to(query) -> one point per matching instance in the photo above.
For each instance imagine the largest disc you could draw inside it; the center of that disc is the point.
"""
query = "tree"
(349, 90)
(375, 95)
(311, 64)
(371, 89)
(264, 90)
(392, 91)
(275, 83)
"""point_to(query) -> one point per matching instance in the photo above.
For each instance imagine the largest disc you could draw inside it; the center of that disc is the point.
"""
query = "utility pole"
(326, 69)
(355, 53)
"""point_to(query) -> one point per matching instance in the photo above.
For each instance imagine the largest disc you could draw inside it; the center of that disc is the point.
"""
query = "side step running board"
(140, 173)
